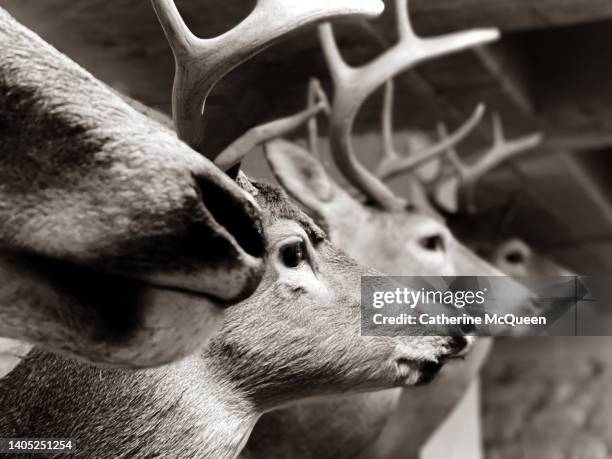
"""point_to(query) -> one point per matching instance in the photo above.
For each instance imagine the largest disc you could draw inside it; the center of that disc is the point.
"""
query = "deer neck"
(181, 410)
(211, 418)
(228, 418)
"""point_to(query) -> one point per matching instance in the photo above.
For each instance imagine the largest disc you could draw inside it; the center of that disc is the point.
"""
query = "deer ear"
(301, 175)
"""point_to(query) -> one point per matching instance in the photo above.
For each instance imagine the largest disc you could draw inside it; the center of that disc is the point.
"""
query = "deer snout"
(457, 348)
(419, 363)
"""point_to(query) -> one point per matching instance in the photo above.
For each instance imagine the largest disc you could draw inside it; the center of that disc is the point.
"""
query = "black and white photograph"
(306, 229)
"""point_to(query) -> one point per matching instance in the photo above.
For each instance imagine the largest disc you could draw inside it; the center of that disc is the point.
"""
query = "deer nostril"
(235, 213)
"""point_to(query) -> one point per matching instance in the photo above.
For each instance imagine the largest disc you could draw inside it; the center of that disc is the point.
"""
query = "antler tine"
(179, 37)
(389, 153)
(355, 85)
(344, 111)
(451, 162)
(316, 95)
(446, 169)
(393, 167)
(201, 63)
(404, 26)
(501, 151)
(264, 133)
(451, 165)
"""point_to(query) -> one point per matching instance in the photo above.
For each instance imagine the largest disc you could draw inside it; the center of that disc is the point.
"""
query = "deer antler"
(259, 135)
(501, 151)
(354, 85)
(201, 63)
(392, 164)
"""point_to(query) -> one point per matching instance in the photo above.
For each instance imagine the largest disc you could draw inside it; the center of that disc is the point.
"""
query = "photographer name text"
(464, 319)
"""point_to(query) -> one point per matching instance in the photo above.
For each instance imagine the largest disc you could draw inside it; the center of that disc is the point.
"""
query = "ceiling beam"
(578, 141)
(508, 15)
(508, 70)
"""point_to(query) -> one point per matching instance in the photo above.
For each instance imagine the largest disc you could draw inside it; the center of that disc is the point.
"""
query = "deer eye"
(433, 243)
(294, 254)
(515, 257)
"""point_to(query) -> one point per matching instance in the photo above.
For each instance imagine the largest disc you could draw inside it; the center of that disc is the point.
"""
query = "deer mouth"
(428, 371)
(412, 373)
(421, 372)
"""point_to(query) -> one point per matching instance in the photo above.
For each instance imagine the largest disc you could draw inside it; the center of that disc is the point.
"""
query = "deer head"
(298, 336)
(302, 269)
